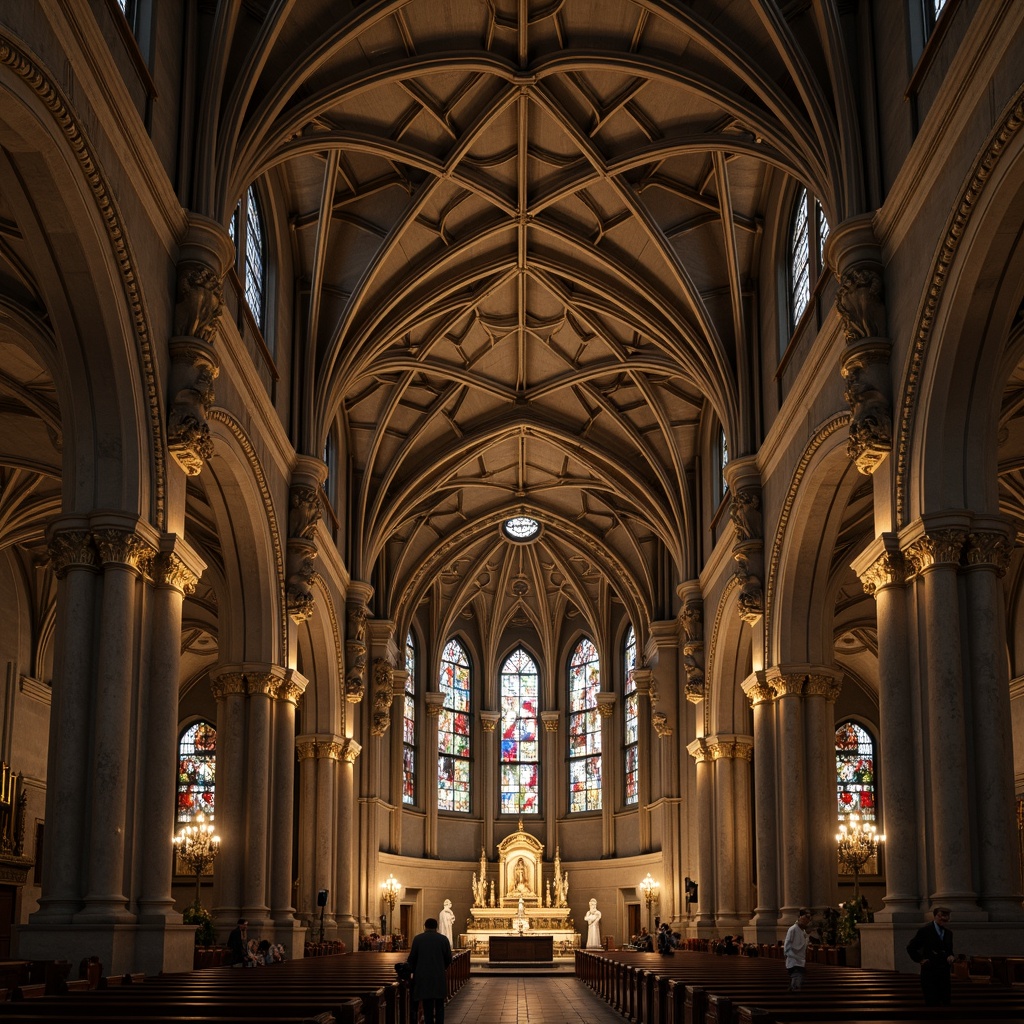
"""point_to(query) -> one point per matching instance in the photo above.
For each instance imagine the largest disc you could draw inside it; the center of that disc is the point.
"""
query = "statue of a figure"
(860, 305)
(745, 512)
(445, 920)
(593, 918)
(200, 302)
(693, 622)
(305, 512)
(520, 882)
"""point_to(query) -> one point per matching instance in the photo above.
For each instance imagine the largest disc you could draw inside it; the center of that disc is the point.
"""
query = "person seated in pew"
(644, 942)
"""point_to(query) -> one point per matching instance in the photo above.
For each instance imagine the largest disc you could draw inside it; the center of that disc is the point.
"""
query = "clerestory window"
(584, 728)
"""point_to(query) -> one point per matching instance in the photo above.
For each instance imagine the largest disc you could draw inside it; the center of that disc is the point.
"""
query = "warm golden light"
(197, 844)
(857, 842)
(390, 890)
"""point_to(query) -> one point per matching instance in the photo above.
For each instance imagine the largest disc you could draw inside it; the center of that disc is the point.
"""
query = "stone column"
(344, 903)
(396, 761)
(708, 899)
(554, 784)
(792, 772)
(306, 750)
(934, 552)
(723, 770)
(742, 750)
(606, 709)
(434, 702)
(820, 694)
(228, 685)
(766, 913)
(261, 685)
(176, 572)
(488, 723)
(288, 692)
(74, 561)
(989, 547)
(882, 572)
(644, 755)
(123, 553)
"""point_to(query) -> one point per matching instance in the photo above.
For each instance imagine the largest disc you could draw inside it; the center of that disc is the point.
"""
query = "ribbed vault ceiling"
(527, 236)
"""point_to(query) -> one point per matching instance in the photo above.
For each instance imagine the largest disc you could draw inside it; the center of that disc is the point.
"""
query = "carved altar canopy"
(521, 869)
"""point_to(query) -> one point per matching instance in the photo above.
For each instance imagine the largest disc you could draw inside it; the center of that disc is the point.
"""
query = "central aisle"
(528, 1000)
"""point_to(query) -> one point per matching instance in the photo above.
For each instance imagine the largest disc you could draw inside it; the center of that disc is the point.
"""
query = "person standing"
(593, 918)
(429, 957)
(795, 949)
(932, 948)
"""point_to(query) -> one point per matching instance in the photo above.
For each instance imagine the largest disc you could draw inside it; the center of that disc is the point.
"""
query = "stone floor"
(497, 999)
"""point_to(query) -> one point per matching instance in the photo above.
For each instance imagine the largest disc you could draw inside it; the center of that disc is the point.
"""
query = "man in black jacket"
(932, 948)
(429, 957)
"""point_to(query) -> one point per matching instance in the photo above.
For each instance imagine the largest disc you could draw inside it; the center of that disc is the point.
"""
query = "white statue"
(445, 920)
(593, 918)
(521, 923)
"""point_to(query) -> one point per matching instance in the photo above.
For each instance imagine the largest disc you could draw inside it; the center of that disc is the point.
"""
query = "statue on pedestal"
(593, 918)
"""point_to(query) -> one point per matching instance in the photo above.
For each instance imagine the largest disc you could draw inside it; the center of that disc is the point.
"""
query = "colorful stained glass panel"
(520, 752)
(584, 728)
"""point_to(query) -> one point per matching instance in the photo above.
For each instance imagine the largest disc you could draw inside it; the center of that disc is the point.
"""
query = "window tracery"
(631, 731)
(520, 747)
(453, 730)
(584, 729)
(197, 773)
(409, 724)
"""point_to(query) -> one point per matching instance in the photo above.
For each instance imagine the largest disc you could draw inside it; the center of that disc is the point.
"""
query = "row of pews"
(700, 988)
(349, 988)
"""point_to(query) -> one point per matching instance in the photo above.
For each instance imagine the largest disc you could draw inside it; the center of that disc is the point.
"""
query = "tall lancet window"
(630, 725)
(520, 748)
(808, 231)
(584, 729)
(855, 779)
(409, 724)
(197, 773)
(453, 730)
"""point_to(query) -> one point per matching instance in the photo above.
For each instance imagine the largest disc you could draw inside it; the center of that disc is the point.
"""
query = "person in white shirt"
(795, 949)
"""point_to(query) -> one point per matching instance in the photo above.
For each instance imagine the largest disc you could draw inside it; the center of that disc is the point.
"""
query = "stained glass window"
(855, 777)
(799, 261)
(197, 764)
(630, 724)
(255, 259)
(520, 745)
(453, 731)
(584, 729)
(409, 725)
(723, 461)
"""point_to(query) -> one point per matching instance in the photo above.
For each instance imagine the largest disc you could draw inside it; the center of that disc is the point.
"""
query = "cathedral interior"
(587, 428)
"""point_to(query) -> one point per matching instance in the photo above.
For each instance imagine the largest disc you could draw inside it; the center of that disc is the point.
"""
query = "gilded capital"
(306, 750)
(788, 684)
(606, 704)
(227, 683)
(350, 750)
(821, 684)
(123, 547)
(170, 571)
(489, 720)
(758, 691)
(698, 751)
(941, 547)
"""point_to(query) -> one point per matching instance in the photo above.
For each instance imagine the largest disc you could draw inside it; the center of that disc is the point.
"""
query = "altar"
(520, 903)
(520, 949)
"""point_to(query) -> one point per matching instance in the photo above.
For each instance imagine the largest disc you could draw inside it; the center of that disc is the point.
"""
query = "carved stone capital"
(821, 684)
(643, 680)
(227, 683)
(758, 690)
(989, 549)
(605, 704)
(123, 547)
(70, 548)
(170, 571)
(698, 751)
(262, 684)
(787, 684)
(489, 720)
(940, 547)
(550, 720)
(889, 569)
(305, 750)
(291, 687)
(350, 750)
(434, 701)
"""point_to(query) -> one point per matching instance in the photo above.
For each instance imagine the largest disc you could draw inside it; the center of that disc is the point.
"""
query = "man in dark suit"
(932, 948)
(429, 957)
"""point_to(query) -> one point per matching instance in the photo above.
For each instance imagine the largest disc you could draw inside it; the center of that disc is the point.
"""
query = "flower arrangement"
(197, 914)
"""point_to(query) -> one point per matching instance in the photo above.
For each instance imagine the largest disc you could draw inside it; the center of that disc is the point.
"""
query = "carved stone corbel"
(304, 512)
(855, 257)
(383, 694)
(204, 257)
(355, 652)
(692, 617)
(749, 560)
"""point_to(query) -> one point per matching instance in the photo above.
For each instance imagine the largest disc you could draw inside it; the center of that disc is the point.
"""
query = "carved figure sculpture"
(445, 920)
(859, 303)
(593, 918)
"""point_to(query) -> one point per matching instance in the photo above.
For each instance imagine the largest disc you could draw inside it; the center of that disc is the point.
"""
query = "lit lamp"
(197, 845)
(390, 890)
(857, 842)
(649, 890)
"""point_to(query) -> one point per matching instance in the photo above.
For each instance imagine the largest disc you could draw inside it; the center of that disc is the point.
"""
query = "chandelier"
(857, 842)
(197, 846)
